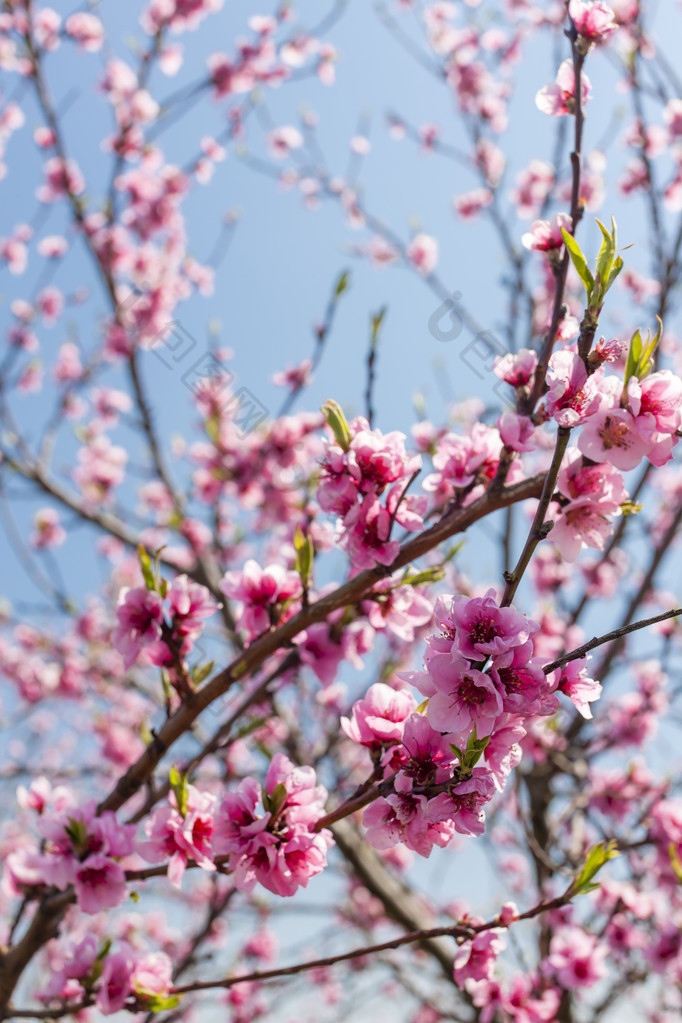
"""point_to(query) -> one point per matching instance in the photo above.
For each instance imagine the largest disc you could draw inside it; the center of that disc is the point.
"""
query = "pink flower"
(48, 530)
(60, 179)
(422, 252)
(593, 19)
(189, 603)
(52, 246)
(100, 884)
(367, 535)
(50, 303)
(425, 753)
(277, 848)
(181, 837)
(471, 203)
(594, 492)
(483, 629)
(572, 395)
(140, 616)
(465, 699)
(580, 689)
(517, 432)
(115, 981)
(87, 30)
(463, 803)
(516, 369)
(475, 960)
(401, 609)
(152, 975)
(282, 140)
(380, 717)
(545, 235)
(577, 958)
(611, 435)
(262, 592)
(402, 817)
(558, 98)
(521, 681)
(294, 377)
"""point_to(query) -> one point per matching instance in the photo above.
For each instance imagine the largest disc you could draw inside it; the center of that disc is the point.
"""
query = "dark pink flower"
(140, 615)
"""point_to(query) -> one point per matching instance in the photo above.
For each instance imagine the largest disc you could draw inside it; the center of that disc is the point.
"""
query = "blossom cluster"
(113, 977)
(353, 482)
(78, 848)
(482, 683)
(164, 628)
(279, 847)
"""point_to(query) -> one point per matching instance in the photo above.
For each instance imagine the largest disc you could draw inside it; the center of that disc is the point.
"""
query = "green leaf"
(578, 261)
(305, 552)
(429, 575)
(675, 861)
(342, 283)
(457, 751)
(377, 320)
(646, 361)
(615, 270)
(200, 673)
(77, 832)
(333, 413)
(276, 799)
(178, 783)
(146, 568)
(597, 856)
(633, 358)
(157, 1003)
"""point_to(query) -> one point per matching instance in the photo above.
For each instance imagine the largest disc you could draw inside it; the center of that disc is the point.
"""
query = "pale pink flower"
(52, 246)
(593, 19)
(152, 975)
(516, 369)
(517, 432)
(611, 435)
(475, 960)
(294, 377)
(572, 395)
(379, 717)
(422, 252)
(48, 530)
(471, 203)
(86, 29)
(558, 98)
(545, 235)
(580, 689)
